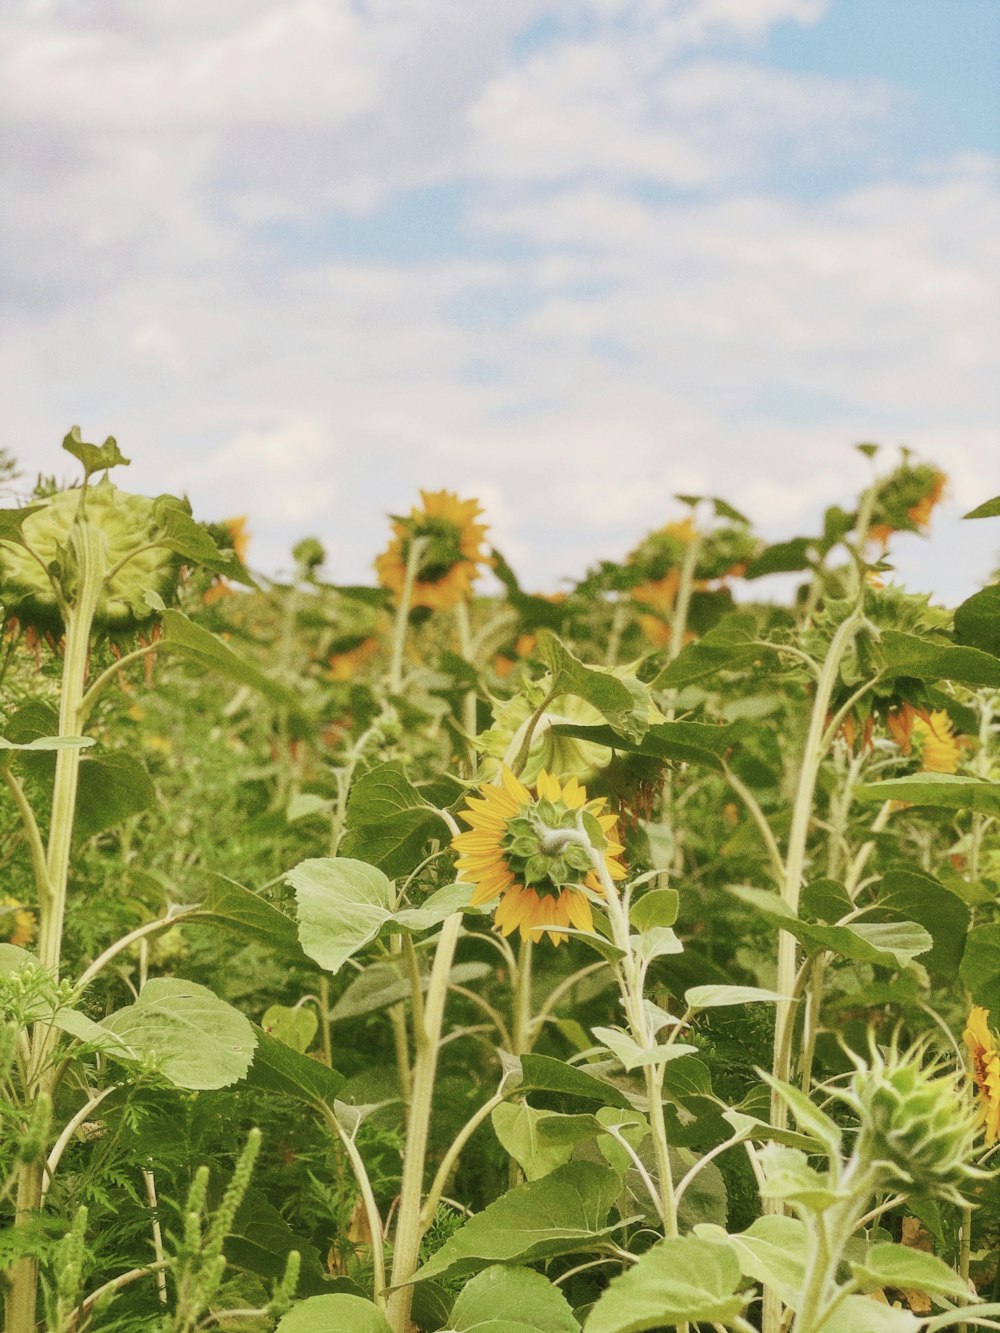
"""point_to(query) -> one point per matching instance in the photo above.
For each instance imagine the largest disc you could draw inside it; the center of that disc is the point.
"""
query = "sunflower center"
(443, 549)
(535, 853)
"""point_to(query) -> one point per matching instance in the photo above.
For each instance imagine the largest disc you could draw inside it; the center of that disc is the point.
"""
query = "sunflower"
(930, 734)
(17, 924)
(526, 847)
(450, 560)
(906, 500)
(346, 663)
(985, 1069)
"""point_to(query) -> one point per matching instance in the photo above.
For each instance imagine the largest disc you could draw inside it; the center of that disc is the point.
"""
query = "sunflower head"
(536, 850)
(905, 500)
(662, 551)
(934, 739)
(918, 1131)
(17, 924)
(451, 552)
(985, 1061)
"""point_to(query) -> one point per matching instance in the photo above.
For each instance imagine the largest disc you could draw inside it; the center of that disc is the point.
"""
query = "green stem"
(417, 546)
(469, 720)
(678, 623)
(522, 1016)
(409, 1232)
(88, 546)
(368, 1199)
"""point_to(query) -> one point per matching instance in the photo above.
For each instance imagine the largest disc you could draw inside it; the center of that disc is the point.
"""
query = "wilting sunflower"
(985, 1069)
(906, 500)
(17, 924)
(525, 846)
(450, 560)
(930, 734)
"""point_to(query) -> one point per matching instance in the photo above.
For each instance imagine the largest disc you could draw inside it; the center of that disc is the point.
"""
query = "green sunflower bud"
(140, 573)
(918, 1125)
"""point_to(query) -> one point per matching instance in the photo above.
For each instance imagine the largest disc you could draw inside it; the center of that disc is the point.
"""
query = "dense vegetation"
(408, 957)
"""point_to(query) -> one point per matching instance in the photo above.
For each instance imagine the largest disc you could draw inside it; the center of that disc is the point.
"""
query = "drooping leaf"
(278, 1068)
(977, 621)
(625, 703)
(247, 914)
(187, 1033)
(342, 906)
(942, 791)
(782, 558)
(388, 822)
(189, 640)
(381, 984)
(714, 997)
(180, 533)
(334, 1313)
(549, 1075)
(910, 655)
(112, 788)
(526, 1298)
(731, 646)
(889, 1265)
(564, 1213)
(673, 742)
(682, 1279)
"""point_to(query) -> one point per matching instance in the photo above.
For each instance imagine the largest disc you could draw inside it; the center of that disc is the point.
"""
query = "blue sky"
(303, 257)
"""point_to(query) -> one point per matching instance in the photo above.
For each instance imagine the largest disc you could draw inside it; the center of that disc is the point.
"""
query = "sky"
(305, 257)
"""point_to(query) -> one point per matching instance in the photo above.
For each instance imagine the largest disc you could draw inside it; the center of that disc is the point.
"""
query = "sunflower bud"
(136, 566)
(918, 1125)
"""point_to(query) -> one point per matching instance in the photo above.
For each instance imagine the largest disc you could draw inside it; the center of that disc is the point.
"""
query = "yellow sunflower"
(451, 558)
(526, 847)
(985, 1069)
(346, 664)
(938, 745)
(17, 924)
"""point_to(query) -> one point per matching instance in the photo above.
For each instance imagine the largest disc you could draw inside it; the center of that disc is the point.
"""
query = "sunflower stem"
(522, 1017)
(416, 550)
(469, 720)
(409, 1230)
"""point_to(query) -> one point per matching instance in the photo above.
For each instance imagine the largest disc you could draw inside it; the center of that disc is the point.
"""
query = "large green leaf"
(892, 944)
(625, 703)
(186, 1033)
(859, 1314)
(112, 788)
(682, 1279)
(245, 913)
(278, 1068)
(732, 645)
(549, 1075)
(179, 532)
(977, 621)
(521, 1130)
(184, 637)
(889, 1265)
(381, 984)
(564, 1213)
(944, 791)
(980, 969)
(334, 1313)
(388, 822)
(910, 655)
(672, 742)
(342, 906)
(523, 1297)
(773, 1251)
(912, 896)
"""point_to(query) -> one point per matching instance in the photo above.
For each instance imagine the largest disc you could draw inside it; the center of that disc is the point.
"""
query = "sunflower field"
(437, 955)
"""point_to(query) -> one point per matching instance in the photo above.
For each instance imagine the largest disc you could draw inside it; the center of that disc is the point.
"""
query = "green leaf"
(672, 742)
(13, 958)
(858, 1314)
(773, 1251)
(50, 743)
(809, 1118)
(278, 1068)
(183, 636)
(94, 457)
(910, 655)
(112, 788)
(336, 1313)
(342, 906)
(657, 908)
(549, 1075)
(977, 621)
(381, 984)
(11, 521)
(245, 913)
(634, 1056)
(178, 532)
(518, 1127)
(980, 969)
(989, 509)
(943, 791)
(912, 896)
(388, 822)
(892, 944)
(528, 1300)
(730, 646)
(625, 703)
(564, 1213)
(889, 1265)
(714, 997)
(788, 1176)
(436, 908)
(783, 558)
(189, 1035)
(680, 1279)
(295, 1027)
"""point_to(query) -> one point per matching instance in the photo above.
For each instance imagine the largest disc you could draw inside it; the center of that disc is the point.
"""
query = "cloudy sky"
(303, 257)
